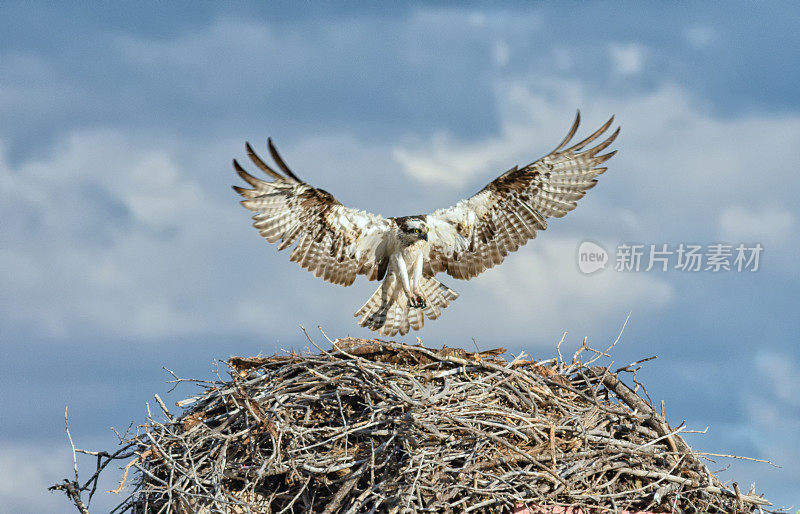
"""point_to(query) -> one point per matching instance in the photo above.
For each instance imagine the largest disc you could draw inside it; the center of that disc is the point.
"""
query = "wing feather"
(258, 162)
(279, 161)
(334, 242)
(478, 233)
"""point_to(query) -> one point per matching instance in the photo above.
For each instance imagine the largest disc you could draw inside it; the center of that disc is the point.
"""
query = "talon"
(417, 301)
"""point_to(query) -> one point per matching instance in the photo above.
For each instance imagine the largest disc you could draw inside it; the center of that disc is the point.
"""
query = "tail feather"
(387, 310)
(402, 317)
(415, 317)
(437, 295)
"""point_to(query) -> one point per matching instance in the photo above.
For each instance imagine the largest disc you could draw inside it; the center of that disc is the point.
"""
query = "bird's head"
(412, 228)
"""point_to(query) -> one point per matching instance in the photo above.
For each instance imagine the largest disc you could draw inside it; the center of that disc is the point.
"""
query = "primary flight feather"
(337, 243)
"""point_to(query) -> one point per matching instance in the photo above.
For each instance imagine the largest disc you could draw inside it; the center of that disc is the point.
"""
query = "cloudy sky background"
(123, 248)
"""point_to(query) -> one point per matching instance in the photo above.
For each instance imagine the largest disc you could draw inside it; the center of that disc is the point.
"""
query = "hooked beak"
(424, 236)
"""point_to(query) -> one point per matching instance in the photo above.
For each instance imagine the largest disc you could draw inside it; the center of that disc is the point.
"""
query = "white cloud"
(768, 224)
(772, 226)
(110, 234)
(477, 19)
(677, 164)
(26, 471)
(527, 129)
(528, 121)
(114, 234)
(133, 238)
(501, 54)
(627, 59)
(29, 88)
(700, 36)
(197, 48)
(773, 416)
(543, 286)
(448, 161)
(563, 58)
(145, 239)
(780, 372)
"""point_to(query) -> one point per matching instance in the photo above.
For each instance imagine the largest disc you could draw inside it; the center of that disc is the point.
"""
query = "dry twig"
(380, 426)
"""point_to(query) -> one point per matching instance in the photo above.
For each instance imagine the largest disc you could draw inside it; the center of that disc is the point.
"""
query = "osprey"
(337, 243)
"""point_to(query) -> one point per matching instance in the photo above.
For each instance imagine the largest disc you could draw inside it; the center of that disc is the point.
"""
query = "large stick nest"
(374, 426)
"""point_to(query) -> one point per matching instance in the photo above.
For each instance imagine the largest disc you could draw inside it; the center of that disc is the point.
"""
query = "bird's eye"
(416, 231)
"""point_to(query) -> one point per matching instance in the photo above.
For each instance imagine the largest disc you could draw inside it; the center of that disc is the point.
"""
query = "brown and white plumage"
(337, 243)
(334, 242)
(477, 233)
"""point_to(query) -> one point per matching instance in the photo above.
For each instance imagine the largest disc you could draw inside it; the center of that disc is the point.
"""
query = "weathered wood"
(384, 426)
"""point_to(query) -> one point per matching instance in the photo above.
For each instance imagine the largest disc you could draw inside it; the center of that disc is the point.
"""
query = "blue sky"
(123, 249)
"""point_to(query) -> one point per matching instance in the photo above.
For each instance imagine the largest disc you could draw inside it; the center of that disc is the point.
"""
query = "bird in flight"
(337, 243)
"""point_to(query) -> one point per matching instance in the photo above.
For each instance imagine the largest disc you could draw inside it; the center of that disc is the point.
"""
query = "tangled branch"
(374, 426)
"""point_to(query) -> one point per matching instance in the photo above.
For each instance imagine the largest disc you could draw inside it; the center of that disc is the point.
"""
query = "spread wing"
(477, 233)
(333, 241)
